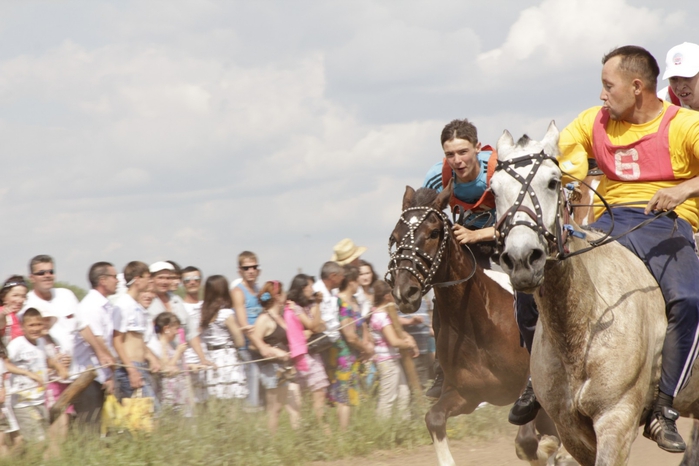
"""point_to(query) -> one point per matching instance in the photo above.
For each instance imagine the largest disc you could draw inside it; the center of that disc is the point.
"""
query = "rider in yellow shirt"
(648, 151)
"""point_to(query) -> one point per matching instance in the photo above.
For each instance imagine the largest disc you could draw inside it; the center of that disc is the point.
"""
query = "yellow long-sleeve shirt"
(576, 147)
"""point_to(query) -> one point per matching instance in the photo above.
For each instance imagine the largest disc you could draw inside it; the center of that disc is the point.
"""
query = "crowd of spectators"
(164, 332)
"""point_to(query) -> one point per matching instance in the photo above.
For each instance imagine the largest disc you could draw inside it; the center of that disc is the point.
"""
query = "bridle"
(422, 266)
(554, 239)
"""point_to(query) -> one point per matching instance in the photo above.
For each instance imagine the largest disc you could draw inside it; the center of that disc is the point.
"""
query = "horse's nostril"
(412, 291)
(535, 256)
(505, 258)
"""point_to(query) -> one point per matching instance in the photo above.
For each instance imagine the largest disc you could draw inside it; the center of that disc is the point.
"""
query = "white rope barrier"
(203, 368)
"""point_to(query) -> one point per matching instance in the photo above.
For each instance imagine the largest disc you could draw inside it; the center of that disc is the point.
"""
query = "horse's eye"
(553, 184)
(435, 234)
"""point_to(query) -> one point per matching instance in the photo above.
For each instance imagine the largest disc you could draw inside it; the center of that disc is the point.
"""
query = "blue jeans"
(669, 256)
(252, 374)
(123, 388)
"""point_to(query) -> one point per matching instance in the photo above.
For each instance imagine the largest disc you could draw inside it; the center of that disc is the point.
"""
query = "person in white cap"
(163, 274)
(682, 69)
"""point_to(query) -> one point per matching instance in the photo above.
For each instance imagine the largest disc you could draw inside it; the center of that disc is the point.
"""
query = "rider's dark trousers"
(667, 248)
(527, 316)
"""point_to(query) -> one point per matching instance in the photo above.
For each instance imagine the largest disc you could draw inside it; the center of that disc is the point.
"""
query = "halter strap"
(506, 222)
(422, 266)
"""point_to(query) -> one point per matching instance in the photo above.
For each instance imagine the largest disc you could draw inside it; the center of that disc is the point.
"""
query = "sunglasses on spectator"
(192, 279)
(41, 273)
(248, 267)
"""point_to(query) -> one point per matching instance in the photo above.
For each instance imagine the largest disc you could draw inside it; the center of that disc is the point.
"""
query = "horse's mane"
(424, 197)
(523, 141)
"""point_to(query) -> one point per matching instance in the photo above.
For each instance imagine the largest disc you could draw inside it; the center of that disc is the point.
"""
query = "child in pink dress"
(393, 385)
(302, 317)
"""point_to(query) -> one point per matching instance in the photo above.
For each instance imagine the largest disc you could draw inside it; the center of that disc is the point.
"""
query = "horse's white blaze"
(441, 447)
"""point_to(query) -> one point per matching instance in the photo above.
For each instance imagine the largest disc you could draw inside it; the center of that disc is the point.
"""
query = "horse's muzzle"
(525, 267)
(408, 296)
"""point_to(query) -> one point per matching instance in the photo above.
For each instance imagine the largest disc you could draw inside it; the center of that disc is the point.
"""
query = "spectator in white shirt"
(165, 300)
(60, 303)
(191, 279)
(96, 313)
(29, 399)
(59, 306)
(331, 275)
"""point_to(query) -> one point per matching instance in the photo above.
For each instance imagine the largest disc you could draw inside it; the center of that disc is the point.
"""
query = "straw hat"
(346, 251)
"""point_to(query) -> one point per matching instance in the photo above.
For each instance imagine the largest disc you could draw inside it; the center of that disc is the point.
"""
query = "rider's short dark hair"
(461, 129)
(636, 62)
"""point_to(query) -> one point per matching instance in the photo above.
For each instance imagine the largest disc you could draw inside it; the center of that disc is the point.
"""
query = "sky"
(194, 130)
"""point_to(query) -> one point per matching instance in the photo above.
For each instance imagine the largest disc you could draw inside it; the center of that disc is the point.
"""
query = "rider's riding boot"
(436, 390)
(525, 408)
(661, 428)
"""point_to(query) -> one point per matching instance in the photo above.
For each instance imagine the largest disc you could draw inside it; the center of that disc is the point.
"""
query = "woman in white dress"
(221, 336)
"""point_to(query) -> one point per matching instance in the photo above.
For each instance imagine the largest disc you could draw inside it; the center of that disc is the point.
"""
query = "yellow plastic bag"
(112, 415)
(138, 413)
(134, 414)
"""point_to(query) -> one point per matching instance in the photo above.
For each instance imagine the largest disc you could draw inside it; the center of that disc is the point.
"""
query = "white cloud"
(191, 131)
(568, 34)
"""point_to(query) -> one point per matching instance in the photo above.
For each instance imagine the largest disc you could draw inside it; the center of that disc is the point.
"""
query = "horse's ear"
(408, 197)
(505, 142)
(550, 140)
(442, 200)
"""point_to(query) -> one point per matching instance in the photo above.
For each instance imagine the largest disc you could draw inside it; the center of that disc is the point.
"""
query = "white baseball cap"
(160, 266)
(682, 60)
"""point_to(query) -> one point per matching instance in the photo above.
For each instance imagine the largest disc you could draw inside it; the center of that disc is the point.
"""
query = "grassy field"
(223, 434)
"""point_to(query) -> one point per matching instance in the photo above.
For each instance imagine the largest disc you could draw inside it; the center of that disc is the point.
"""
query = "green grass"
(224, 435)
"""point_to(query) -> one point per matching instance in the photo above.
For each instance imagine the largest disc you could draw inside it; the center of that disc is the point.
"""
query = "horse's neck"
(565, 302)
(457, 265)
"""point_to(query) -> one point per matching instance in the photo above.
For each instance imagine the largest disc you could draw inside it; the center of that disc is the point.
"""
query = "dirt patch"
(500, 451)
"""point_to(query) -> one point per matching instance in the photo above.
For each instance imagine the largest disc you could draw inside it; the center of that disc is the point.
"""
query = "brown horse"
(478, 345)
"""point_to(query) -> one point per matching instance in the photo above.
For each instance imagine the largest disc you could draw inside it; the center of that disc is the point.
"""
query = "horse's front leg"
(449, 404)
(615, 431)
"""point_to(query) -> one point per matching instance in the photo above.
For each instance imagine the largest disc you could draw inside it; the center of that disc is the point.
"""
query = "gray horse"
(595, 362)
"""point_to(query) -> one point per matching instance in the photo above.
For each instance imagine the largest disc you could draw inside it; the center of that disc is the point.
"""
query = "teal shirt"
(469, 192)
